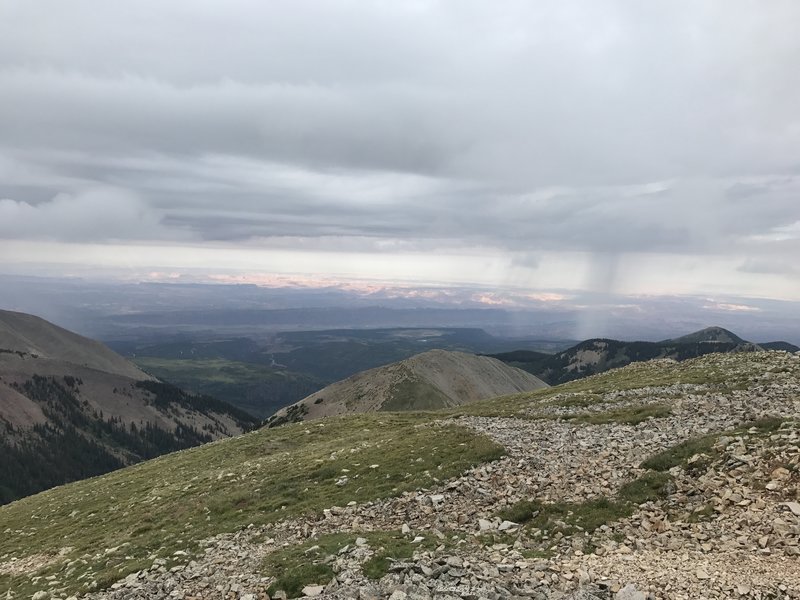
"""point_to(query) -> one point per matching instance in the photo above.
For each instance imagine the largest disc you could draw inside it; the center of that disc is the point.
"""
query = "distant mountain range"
(428, 381)
(440, 379)
(71, 408)
(597, 355)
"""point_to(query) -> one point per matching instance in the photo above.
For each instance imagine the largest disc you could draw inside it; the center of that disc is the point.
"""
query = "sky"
(628, 147)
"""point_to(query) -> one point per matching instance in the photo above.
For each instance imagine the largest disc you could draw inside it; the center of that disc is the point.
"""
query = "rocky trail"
(725, 522)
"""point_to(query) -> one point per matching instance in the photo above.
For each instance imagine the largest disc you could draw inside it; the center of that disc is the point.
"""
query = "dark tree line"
(76, 443)
(164, 394)
(48, 459)
(558, 368)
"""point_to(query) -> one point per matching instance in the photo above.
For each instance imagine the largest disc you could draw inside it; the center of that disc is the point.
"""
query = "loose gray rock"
(629, 592)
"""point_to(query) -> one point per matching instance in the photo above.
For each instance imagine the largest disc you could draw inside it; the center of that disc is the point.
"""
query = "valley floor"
(569, 512)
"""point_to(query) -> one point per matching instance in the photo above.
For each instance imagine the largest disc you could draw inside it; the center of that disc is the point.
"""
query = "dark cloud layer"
(618, 127)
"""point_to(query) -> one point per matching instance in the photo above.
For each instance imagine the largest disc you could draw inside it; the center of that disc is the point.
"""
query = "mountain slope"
(679, 479)
(709, 334)
(785, 346)
(598, 355)
(428, 381)
(71, 408)
(28, 334)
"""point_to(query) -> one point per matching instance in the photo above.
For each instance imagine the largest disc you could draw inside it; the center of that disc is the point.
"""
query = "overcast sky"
(633, 147)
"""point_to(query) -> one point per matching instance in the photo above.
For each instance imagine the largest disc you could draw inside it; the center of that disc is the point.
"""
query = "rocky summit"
(658, 480)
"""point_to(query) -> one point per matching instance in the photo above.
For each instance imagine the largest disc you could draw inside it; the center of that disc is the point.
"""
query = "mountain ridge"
(23, 333)
(712, 334)
(597, 355)
(427, 381)
(65, 417)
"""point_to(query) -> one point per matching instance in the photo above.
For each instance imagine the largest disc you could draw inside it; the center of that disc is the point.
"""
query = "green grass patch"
(587, 516)
(305, 564)
(568, 517)
(679, 454)
(649, 487)
(577, 400)
(629, 416)
(412, 394)
(172, 502)
(764, 425)
(703, 514)
(391, 547)
(521, 512)
(309, 563)
(292, 581)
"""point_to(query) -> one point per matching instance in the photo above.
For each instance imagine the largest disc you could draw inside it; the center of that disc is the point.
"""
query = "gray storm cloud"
(616, 127)
(94, 214)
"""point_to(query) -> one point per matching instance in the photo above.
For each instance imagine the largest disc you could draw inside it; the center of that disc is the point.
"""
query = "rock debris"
(728, 526)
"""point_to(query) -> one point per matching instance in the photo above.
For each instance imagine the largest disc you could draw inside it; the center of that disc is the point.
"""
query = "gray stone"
(629, 592)
(794, 507)
(485, 525)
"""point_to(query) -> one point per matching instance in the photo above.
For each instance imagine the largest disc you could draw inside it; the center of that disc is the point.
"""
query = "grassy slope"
(170, 503)
(706, 370)
(414, 393)
(107, 527)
